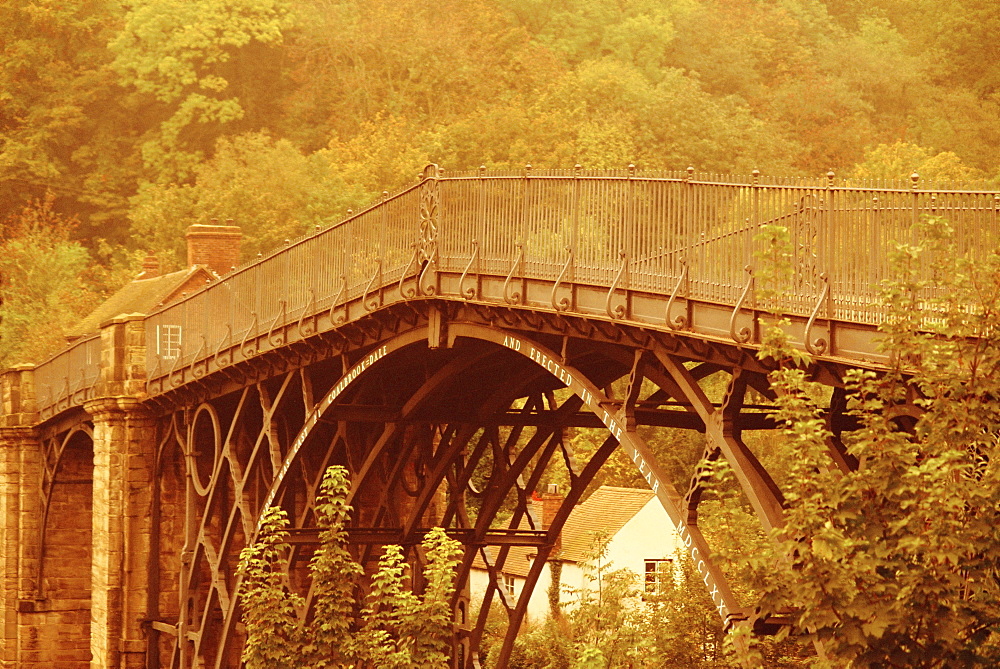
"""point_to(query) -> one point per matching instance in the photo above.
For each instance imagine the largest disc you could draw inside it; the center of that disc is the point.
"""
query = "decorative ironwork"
(745, 334)
(619, 311)
(681, 321)
(563, 303)
(472, 292)
(338, 300)
(513, 296)
(819, 345)
(429, 212)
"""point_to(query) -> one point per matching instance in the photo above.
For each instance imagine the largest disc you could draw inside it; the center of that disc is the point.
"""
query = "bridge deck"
(671, 251)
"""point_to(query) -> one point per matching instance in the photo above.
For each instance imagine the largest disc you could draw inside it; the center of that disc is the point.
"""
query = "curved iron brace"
(310, 306)
(281, 340)
(409, 293)
(745, 334)
(472, 292)
(513, 297)
(152, 375)
(563, 303)
(372, 306)
(681, 321)
(173, 369)
(619, 311)
(65, 392)
(222, 344)
(819, 345)
(337, 320)
(252, 351)
(81, 386)
(422, 287)
(194, 361)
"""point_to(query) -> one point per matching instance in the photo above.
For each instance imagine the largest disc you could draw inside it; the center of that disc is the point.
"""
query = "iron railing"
(67, 379)
(658, 232)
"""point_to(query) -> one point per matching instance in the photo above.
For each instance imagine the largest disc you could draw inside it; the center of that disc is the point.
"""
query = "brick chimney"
(150, 267)
(216, 246)
(552, 499)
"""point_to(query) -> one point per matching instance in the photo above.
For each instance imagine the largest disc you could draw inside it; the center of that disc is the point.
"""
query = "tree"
(44, 289)
(204, 63)
(895, 564)
(63, 124)
(266, 185)
(901, 159)
(398, 628)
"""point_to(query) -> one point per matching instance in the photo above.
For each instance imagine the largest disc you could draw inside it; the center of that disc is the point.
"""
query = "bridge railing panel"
(659, 247)
(66, 378)
(601, 229)
(463, 220)
(489, 211)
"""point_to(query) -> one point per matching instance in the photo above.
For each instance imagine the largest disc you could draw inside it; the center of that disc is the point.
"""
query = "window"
(658, 576)
(508, 584)
(168, 341)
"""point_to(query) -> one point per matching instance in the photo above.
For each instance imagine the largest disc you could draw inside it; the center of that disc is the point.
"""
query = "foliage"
(187, 56)
(269, 610)
(613, 623)
(900, 160)
(280, 114)
(44, 287)
(61, 114)
(280, 193)
(895, 564)
(397, 628)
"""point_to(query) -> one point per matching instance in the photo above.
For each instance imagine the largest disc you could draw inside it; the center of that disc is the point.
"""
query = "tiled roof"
(141, 296)
(606, 510)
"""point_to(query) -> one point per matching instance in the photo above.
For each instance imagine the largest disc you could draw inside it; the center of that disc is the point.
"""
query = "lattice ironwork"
(451, 436)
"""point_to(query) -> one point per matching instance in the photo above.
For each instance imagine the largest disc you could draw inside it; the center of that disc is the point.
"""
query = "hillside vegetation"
(122, 123)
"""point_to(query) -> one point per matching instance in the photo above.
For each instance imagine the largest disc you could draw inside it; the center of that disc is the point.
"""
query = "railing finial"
(756, 176)
(690, 172)
(829, 179)
(914, 179)
(631, 170)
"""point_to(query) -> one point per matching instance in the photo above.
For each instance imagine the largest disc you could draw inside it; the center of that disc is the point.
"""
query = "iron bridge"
(470, 323)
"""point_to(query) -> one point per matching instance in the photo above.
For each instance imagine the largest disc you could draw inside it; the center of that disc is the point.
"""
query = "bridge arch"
(60, 609)
(548, 370)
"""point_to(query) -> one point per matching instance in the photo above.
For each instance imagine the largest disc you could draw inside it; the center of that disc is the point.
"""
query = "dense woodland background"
(122, 123)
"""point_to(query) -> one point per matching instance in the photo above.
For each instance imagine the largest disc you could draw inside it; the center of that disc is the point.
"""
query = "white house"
(641, 538)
